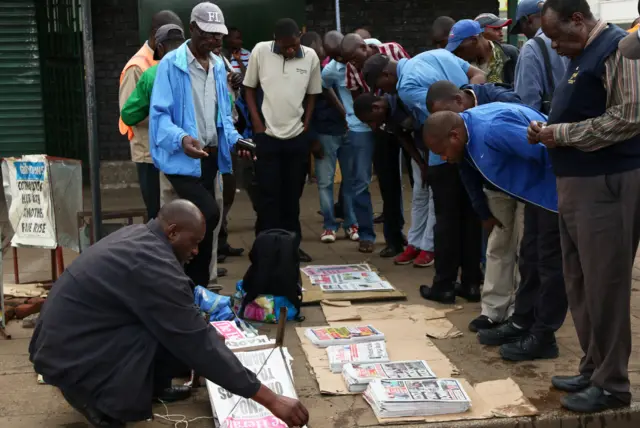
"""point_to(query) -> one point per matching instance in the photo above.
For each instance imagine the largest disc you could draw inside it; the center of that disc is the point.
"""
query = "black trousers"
(458, 232)
(200, 191)
(149, 179)
(541, 299)
(165, 368)
(280, 171)
(386, 161)
(228, 197)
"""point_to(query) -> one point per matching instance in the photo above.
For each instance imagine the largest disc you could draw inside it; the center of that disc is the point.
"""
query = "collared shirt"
(285, 83)
(621, 120)
(205, 99)
(244, 58)
(355, 79)
(333, 76)
(531, 76)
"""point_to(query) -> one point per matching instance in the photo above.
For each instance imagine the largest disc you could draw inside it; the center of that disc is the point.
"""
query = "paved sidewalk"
(25, 404)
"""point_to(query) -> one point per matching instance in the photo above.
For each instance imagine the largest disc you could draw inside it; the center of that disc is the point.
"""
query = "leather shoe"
(95, 417)
(391, 251)
(229, 251)
(222, 272)
(222, 258)
(571, 383)
(506, 333)
(529, 348)
(379, 219)
(172, 394)
(440, 296)
(471, 293)
(591, 400)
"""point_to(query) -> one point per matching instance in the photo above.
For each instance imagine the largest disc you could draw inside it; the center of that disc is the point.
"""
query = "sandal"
(366, 247)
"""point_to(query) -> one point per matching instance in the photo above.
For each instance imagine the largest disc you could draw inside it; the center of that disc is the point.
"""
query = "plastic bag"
(217, 307)
(265, 308)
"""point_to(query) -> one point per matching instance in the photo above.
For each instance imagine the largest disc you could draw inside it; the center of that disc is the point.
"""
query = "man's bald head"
(184, 225)
(159, 19)
(332, 42)
(363, 32)
(350, 43)
(444, 134)
(355, 50)
(440, 31)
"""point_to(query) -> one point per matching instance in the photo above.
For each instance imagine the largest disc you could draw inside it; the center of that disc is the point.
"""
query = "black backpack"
(275, 269)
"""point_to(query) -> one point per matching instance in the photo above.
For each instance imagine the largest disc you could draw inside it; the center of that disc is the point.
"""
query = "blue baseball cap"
(462, 30)
(524, 9)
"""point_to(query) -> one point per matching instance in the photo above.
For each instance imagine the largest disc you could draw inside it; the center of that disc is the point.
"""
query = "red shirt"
(354, 77)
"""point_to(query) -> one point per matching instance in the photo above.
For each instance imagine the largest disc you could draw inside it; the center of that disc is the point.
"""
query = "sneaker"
(328, 236)
(506, 333)
(410, 253)
(352, 233)
(424, 259)
(483, 322)
(529, 348)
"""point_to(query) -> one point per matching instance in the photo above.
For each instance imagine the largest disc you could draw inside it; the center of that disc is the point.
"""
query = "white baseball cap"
(209, 18)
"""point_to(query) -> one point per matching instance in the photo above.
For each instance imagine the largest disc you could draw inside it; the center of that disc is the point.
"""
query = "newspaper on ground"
(358, 376)
(330, 336)
(354, 287)
(237, 412)
(314, 270)
(414, 398)
(370, 352)
(237, 337)
(342, 278)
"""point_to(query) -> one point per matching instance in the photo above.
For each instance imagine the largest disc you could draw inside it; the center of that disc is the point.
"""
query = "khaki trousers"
(599, 233)
(502, 276)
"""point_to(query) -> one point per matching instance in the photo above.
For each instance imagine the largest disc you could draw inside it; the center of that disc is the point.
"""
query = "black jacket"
(109, 312)
(512, 54)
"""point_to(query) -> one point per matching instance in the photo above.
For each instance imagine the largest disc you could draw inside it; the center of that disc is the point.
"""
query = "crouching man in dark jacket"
(120, 323)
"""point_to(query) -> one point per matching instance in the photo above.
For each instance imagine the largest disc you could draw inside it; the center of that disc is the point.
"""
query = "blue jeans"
(363, 144)
(335, 147)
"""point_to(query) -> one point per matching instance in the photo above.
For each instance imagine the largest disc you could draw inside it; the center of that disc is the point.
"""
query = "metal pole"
(512, 5)
(338, 15)
(92, 123)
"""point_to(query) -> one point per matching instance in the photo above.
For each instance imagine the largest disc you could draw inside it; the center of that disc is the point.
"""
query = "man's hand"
(490, 223)
(191, 148)
(237, 55)
(289, 410)
(235, 79)
(533, 131)
(547, 137)
(316, 149)
(423, 174)
(259, 128)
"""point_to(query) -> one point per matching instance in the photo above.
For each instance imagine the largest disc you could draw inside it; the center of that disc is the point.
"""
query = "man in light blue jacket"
(191, 130)
(492, 139)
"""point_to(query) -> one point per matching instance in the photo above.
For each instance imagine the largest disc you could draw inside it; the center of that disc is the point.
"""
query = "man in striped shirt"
(593, 136)
(234, 52)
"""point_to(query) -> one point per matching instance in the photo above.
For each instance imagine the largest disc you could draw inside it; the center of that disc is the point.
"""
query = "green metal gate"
(21, 113)
(61, 58)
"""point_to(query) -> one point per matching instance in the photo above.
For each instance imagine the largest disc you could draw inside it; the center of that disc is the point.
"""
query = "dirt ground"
(25, 404)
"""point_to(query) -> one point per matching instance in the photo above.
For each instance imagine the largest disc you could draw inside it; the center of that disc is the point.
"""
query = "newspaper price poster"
(27, 186)
(237, 412)
(229, 330)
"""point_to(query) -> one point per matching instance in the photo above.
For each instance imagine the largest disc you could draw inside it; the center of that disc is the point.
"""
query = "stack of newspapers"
(358, 376)
(369, 352)
(411, 398)
(331, 336)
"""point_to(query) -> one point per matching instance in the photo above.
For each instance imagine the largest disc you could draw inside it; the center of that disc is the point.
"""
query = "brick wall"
(407, 22)
(115, 29)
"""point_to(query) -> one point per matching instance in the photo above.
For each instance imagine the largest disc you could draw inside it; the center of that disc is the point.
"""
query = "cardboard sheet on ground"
(312, 294)
(495, 399)
(406, 340)
(437, 326)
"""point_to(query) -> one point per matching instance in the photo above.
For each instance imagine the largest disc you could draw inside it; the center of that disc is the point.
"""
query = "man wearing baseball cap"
(539, 67)
(467, 40)
(492, 26)
(191, 129)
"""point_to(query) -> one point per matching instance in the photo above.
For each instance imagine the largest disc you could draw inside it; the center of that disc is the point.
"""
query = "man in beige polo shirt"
(289, 76)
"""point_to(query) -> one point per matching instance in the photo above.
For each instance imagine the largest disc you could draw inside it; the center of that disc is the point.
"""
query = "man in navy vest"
(592, 133)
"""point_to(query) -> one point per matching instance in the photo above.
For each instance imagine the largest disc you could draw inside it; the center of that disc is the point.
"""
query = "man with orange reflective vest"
(138, 135)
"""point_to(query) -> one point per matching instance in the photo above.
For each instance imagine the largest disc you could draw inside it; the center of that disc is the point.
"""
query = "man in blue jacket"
(457, 233)
(493, 139)
(502, 216)
(191, 130)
